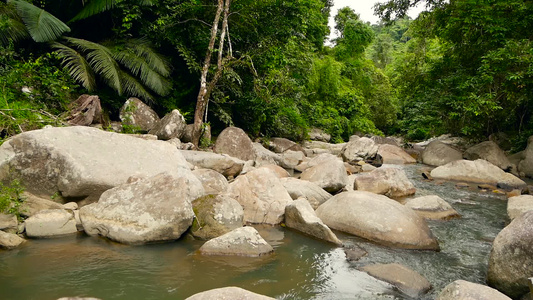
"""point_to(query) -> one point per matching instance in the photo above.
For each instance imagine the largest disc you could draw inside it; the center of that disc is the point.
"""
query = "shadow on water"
(300, 268)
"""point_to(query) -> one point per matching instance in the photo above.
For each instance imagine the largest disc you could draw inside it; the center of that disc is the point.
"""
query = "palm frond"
(94, 7)
(101, 60)
(146, 2)
(41, 25)
(77, 66)
(11, 26)
(155, 61)
(133, 87)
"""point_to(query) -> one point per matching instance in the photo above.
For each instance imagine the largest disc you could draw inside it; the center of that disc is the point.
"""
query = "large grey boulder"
(262, 196)
(138, 115)
(317, 147)
(392, 182)
(403, 278)
(327, 172)
(83, 162)
(263, 156)
(518, 205)
(395, 155)
(310, 191)
(290, 159)
(464, 290)
(526, 164)
(149, 210)
(432, 207)
(479, 171)
(233, 293)
(234, 142)
(171, 126)
(511, 257)
(490, 152)
(359, 149)
(244, 241)
(51, 223)
(300, 215)
(377, 218)
(222, 163)
(438, 153)
(280, 145)
(10, 240)
(212, 181)
(215, 216)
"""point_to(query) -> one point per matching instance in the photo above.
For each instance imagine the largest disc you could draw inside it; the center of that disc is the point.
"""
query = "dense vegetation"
(462, 67)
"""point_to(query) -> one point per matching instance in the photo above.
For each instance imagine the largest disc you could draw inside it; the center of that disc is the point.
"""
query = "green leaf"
(94, 7)
(77, 65)
(41, 25)
(11, 26)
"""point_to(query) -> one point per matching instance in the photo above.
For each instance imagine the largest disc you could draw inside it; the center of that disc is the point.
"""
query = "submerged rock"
(464, 290)
(231, 292)
(354, 252)
(244, 241)
(392, 182)
(432, 207)
(406, 280)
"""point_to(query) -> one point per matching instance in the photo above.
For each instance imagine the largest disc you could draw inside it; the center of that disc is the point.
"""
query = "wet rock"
(51, 223)
(8, 223)
(262, 196)
(354, 253)
(223, 164)
(311, 192)
(427, 175)
(151, 210)
(244, 241)
(228, 293)
(490, 152)
(406, 280)
(518, 205)
(280, 145)
(215, 216)
(432, 207)
(235, 142)
(138, 115)
(377, 218)
(212, 181)
(300, 215)
(437, 154)
(10, 240)
(171, 126)
(327, 172)
(394, 155)
(478, 171)
(391, 182)
(464, 290)
(359, 149)
(511, 257)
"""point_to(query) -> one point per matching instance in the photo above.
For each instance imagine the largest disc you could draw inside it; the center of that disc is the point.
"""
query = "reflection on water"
(300, 268)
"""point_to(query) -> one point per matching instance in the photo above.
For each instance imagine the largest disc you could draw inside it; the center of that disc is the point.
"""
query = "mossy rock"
(215, 216)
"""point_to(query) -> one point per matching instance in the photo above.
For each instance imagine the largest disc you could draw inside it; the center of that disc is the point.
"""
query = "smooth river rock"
(518, 205)
(215, 216)
(359, 149)
(432, 207)
(511, 257)
(479, 171)
(244, 241)
(139, 115)
(310, 191)
(403, 278)
(51, 223)
(300, 215)
(170, 126)
(10, 241)
(464, 290)
(438, 153)
(392, 182)
(391, 154)
(222, 163)
(235, 142)
(149, 210)
(490, 152)
(229, 293)
(212, 181)
(377, 218)
(327, 172)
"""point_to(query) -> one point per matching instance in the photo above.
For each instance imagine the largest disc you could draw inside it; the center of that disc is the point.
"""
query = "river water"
(301, 268)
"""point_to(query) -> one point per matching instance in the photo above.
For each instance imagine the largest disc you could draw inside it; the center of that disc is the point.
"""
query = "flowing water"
(301, 268)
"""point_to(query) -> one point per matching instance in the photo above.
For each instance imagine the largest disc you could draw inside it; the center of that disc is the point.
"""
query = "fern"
(77, 65)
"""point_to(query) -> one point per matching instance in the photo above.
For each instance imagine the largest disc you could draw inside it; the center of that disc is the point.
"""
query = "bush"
(11, 198)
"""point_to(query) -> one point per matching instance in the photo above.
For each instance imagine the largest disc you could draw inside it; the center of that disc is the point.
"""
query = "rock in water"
(511, 257)
(10, 240)
(464, 290)
(215, 216)
(244, 241)
(300, 215)
(395, 155)
(233, 293)
(518, 205)
(432, 207)
(82, 161)
(150, 210)
(437, 154)
(234, 142)
(406, 280)
(490, 152)
(377, 218)
(391, 182)
(354, 252)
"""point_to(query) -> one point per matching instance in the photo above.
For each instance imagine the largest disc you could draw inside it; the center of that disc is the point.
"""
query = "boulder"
(377, 218)
(33, 204)
(404, 279)
(464, 290)
(223, 164)
(10, 240)
(154, 209)
(215, 216)
(392, 182)
(511, 257)
(278, 171)
(394, 155)
(359, 149)
(518, 205)
(438, 153)
(8, 222)
(300, 215)
(317, 134)
(280, 145)
(234, 142)
(490, 152)
(138, 115)
(244, 241)
(432, 207)
(264, 156)
(479, 171)
(212, 181)
(171, 126)
(51, 223)
(262, 196)
(231, 292)
(290, 159)
(526, 164)
(83, 162)
(380, 140)
(310, 191)
(327, 172)
(322, 147)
